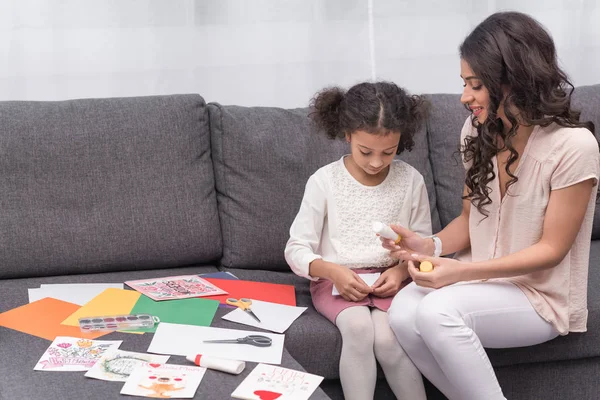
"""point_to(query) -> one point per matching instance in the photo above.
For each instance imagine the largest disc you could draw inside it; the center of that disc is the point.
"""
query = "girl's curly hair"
(377, 108)
(512, 53)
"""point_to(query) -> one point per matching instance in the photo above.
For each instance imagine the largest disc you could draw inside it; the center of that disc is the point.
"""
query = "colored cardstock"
(272, 292)
(43, 319)
(199, 312)
(110, 302)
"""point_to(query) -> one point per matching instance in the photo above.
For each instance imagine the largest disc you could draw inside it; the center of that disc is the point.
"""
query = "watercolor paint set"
(117, 322)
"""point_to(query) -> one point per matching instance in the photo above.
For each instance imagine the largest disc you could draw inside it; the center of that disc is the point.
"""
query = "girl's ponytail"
(326, 111)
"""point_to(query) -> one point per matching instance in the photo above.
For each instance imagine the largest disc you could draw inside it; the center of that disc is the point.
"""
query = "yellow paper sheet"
(112, 301)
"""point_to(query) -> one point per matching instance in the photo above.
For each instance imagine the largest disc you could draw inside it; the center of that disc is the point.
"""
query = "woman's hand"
(390, 281)
(349, 284)
(446, 271)
(409, 244)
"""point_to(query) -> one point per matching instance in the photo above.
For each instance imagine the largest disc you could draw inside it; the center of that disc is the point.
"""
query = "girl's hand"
(446, 271)
(409, 244)
(390, 281)
(349, 284)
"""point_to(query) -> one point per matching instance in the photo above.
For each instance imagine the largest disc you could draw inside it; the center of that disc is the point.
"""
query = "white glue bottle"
(385, 231)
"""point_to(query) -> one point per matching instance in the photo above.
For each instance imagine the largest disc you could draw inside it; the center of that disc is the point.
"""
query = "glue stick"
(220, 364)
(386, 232)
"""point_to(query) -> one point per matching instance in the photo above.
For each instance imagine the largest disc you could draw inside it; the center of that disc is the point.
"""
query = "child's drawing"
(73, 354)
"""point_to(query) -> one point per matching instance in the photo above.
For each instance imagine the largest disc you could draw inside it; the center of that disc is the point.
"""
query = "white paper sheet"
(273, 317)
(184, 340)
(78, 294)
(117, 365)
(368, 278)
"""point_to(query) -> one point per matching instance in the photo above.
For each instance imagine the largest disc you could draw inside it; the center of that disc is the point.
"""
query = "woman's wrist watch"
(437, 245)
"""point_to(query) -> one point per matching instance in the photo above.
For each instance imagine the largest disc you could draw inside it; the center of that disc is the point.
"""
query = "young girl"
(528, 206)
(332, 241)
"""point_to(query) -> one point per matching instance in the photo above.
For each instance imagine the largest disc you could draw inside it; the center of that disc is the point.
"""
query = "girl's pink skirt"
(330, 306)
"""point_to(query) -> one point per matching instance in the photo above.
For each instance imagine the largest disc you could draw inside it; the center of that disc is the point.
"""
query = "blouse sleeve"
(305, 232)
(575, 160)
(420, 217)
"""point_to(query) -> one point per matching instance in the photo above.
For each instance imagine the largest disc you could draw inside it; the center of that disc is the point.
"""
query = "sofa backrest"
(106, 184)
(443, 132)
(262, 159)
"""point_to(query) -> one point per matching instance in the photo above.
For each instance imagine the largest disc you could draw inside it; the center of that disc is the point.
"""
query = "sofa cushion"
(106, 184)
(262, 160)
(446, 119)
(571, 347)
(587, 100)
(20, 352)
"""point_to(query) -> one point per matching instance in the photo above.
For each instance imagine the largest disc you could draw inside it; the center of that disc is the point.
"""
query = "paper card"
(185, 311)
(368, 278)
(73, 293)
(110, 302)
(272, 382)
(273, 292)
(184, 340)
(73, 354)
(175, 287)
(164, 381)
(43, 319)
(273, 317)
(117, 365)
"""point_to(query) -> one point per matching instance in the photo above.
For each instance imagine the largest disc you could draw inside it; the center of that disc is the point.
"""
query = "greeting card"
(164, 381)
(74, 354)
(270, 382)
(175, 287)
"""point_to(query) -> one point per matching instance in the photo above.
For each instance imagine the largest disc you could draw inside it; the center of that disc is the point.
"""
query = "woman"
(523, 236)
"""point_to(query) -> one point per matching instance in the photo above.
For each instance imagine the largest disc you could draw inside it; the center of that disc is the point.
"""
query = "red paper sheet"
(272, 292)
(42, 318)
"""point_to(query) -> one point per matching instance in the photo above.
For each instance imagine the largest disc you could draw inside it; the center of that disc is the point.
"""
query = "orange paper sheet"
(112, 301)
(42, 318)
(272, 292)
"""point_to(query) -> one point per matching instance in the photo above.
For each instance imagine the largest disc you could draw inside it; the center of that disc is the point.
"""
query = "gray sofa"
(104, 190)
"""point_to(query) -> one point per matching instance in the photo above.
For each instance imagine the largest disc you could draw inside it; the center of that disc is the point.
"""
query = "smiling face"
(475, 95)
(373, 153)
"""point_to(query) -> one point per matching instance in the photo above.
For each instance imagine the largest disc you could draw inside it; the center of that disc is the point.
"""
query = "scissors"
(243, 304)
(254, 340)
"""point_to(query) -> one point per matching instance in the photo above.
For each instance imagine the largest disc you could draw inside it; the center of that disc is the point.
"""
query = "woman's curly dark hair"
(377, 108)
(510, 51)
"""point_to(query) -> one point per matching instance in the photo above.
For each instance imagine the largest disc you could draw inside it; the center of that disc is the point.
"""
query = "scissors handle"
(258, 340)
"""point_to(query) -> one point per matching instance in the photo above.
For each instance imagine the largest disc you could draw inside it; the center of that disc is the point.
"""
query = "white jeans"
(445, 331)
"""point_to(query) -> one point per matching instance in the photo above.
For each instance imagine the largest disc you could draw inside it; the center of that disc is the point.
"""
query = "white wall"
(259, 52)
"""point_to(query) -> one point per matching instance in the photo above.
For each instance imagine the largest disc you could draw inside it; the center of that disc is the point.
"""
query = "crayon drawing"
(73, 354)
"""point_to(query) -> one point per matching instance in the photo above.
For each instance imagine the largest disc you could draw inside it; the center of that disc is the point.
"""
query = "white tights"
(445, 331)
(367, 336)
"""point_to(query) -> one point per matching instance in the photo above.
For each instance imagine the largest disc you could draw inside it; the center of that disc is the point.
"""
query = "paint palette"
(117, 322)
